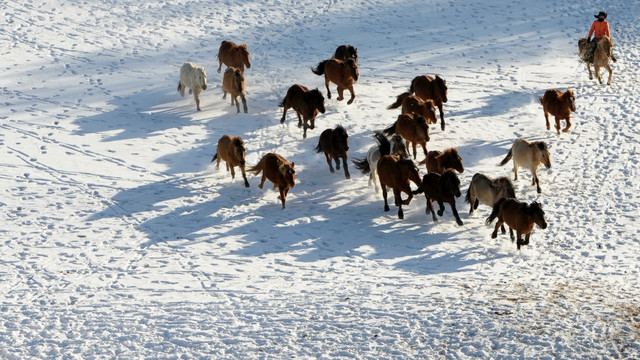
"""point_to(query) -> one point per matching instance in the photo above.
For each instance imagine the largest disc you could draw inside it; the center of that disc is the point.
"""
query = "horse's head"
(353, 69)
(341, 139)
(202, 78)
(289, 173)
(409, 171)
(505, 187)
(537, 214)
(606, 44)
(544, 155)
(454, 159)
(451, 182)
(421, 124)
(352, 52)
(571, 98)
(317, 100)
(238, 150)
(398, 148)
(245, 55)
(442, 86)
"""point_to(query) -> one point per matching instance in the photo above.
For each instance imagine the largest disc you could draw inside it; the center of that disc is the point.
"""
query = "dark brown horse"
(234, 55)
(443, 188)
(231, 150)
(279, 171)
(560, 105)
(439, 162)
(412, 104)
(335, 145)
(426, 87)
(342, 73)
(384, 147)
(397, 174)
(306, 103)
(412, 128)
(344, 52)
(233, 83)
(519, 216)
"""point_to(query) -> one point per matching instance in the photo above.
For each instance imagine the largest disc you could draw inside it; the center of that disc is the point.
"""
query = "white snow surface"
(120, 239)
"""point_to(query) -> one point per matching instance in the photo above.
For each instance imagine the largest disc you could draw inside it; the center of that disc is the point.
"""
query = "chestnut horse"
(335, 145)
(342, 73)
(344, 52)
(231, 150)
(529, 155)
(397, 174)
(279, 171)
(384, 147)
(412, 104)
(439, 162)
(412, 128)
(441, 188)
(306, 103)
(601, 56)
(234, 55)
(426, 87)
(233, 83)
(519, 216)
(560, 105)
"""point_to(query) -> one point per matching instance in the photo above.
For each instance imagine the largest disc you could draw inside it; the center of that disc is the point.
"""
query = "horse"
(233, 55)
(488, 191)
(412, 104)
(413, 128)
(231, 150)
(441, 188)
(439, 162)
(194, 77)
(342, 73)
(519, 216)
(306, 103)
(529, 155)
(397, 174)
(335, 145)
(560, 105)
(426, 87)
(279, 171)
(601, 56)
(384, 147)
(344, 52)
(234, 84)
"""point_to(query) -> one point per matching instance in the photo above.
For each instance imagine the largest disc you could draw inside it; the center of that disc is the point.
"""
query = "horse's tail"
(467, 198)
(258, 167)
(319, 147)
(412, 87)
(214, 157)
(179, 85)
(319, 70)
(399, 101)
(419, 190)
(540, 100)
(507, 158)
(384, 146)
(391, 129)
(239, 81)
(495, 211)
(362, 165)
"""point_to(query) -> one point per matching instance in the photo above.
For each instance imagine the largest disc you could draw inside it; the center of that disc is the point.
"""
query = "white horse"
(529, 155)
(384, 147)
(194, 77)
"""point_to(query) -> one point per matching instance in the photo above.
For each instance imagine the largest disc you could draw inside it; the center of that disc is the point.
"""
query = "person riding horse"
(599, 28)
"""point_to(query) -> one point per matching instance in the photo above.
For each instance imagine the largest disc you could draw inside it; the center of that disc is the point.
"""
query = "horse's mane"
(420, 120)
(441, 82)
(237, 142)
(532, 208)
(450, 176)
(541, 145)
(340, 130)
(452, 152)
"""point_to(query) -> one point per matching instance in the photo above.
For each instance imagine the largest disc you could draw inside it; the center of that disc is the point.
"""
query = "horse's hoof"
(350, 102)
(440, 213)
(332, 171)
(348, 176)
(246, 184)
(386, 208)
(494, 235)
(460, 222)
(282, 121)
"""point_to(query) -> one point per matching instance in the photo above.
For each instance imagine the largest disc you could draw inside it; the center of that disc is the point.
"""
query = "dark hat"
(601, 13)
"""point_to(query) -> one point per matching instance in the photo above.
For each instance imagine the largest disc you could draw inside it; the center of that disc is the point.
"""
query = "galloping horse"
(397, 173)
(343, 52)
(412, 104)
(231, 150)
(335, 145)
(488, 191)
(279, 171)
(519, 216)
(558, 104)
(529, 155)
(426, 87)
(306, 103)
(439, 162)
(384, 147)
(342, 73)
(234, 55)
(441, 188)
(412, 128)
(233, 83)
(601, 56)
(194, 77)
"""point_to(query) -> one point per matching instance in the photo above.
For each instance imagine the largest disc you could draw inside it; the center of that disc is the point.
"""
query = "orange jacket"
(600, 28)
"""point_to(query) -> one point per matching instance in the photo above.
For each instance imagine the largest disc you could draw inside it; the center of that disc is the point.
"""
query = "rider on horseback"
(599, 28)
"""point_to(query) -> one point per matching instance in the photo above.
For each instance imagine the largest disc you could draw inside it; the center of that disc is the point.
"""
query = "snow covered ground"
(120, 239)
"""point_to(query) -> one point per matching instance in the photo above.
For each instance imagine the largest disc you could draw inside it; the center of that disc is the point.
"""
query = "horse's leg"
(299, 119)
(440, 106)
(181, 88)
(384, 195)
(452, 203)
(244, 175)
(566, 128)
(218, 159)
(511, 233)
(515, 169)
(598, 73)
(262, 181)
(430, 209)
(220, 66)
(519, 240)
(282, 197)
(353, 95)
(537, 181)
(415, 149)
(304, 131)
(235, 98)
(328, 156)
(337, 160)
(546, 118)
(424, 147)
(284, 114)
(558, 125)
(410, 193)
(526, 239)
(440, 208)
(500, 222)
(344, 165)
(397, 198)
(233, 172)
(244, 104)
(224, 95)
(196, 95)
(326, 83)
(340, 93)
(608, 67)
(590, 74)
(503, 230)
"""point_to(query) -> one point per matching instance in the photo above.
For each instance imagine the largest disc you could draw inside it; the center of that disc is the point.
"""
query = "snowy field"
(120, 239)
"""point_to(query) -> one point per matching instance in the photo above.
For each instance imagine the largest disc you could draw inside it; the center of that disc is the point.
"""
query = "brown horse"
(441, 188)
(233, 83)
(529, 155)
(384, 147)
(335, 145)
(560, 105)
(344, 52)
(426, 87)
(306, 103)
(601, 56)
(234, 55)
(412, 104)
(397, 174)
(519, 216)
(342, 73)
(231, 150)
(439, 162)
(279, 171)
(412, 128)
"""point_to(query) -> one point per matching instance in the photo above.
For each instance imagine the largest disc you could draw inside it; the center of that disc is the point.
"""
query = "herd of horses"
(389, 161)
